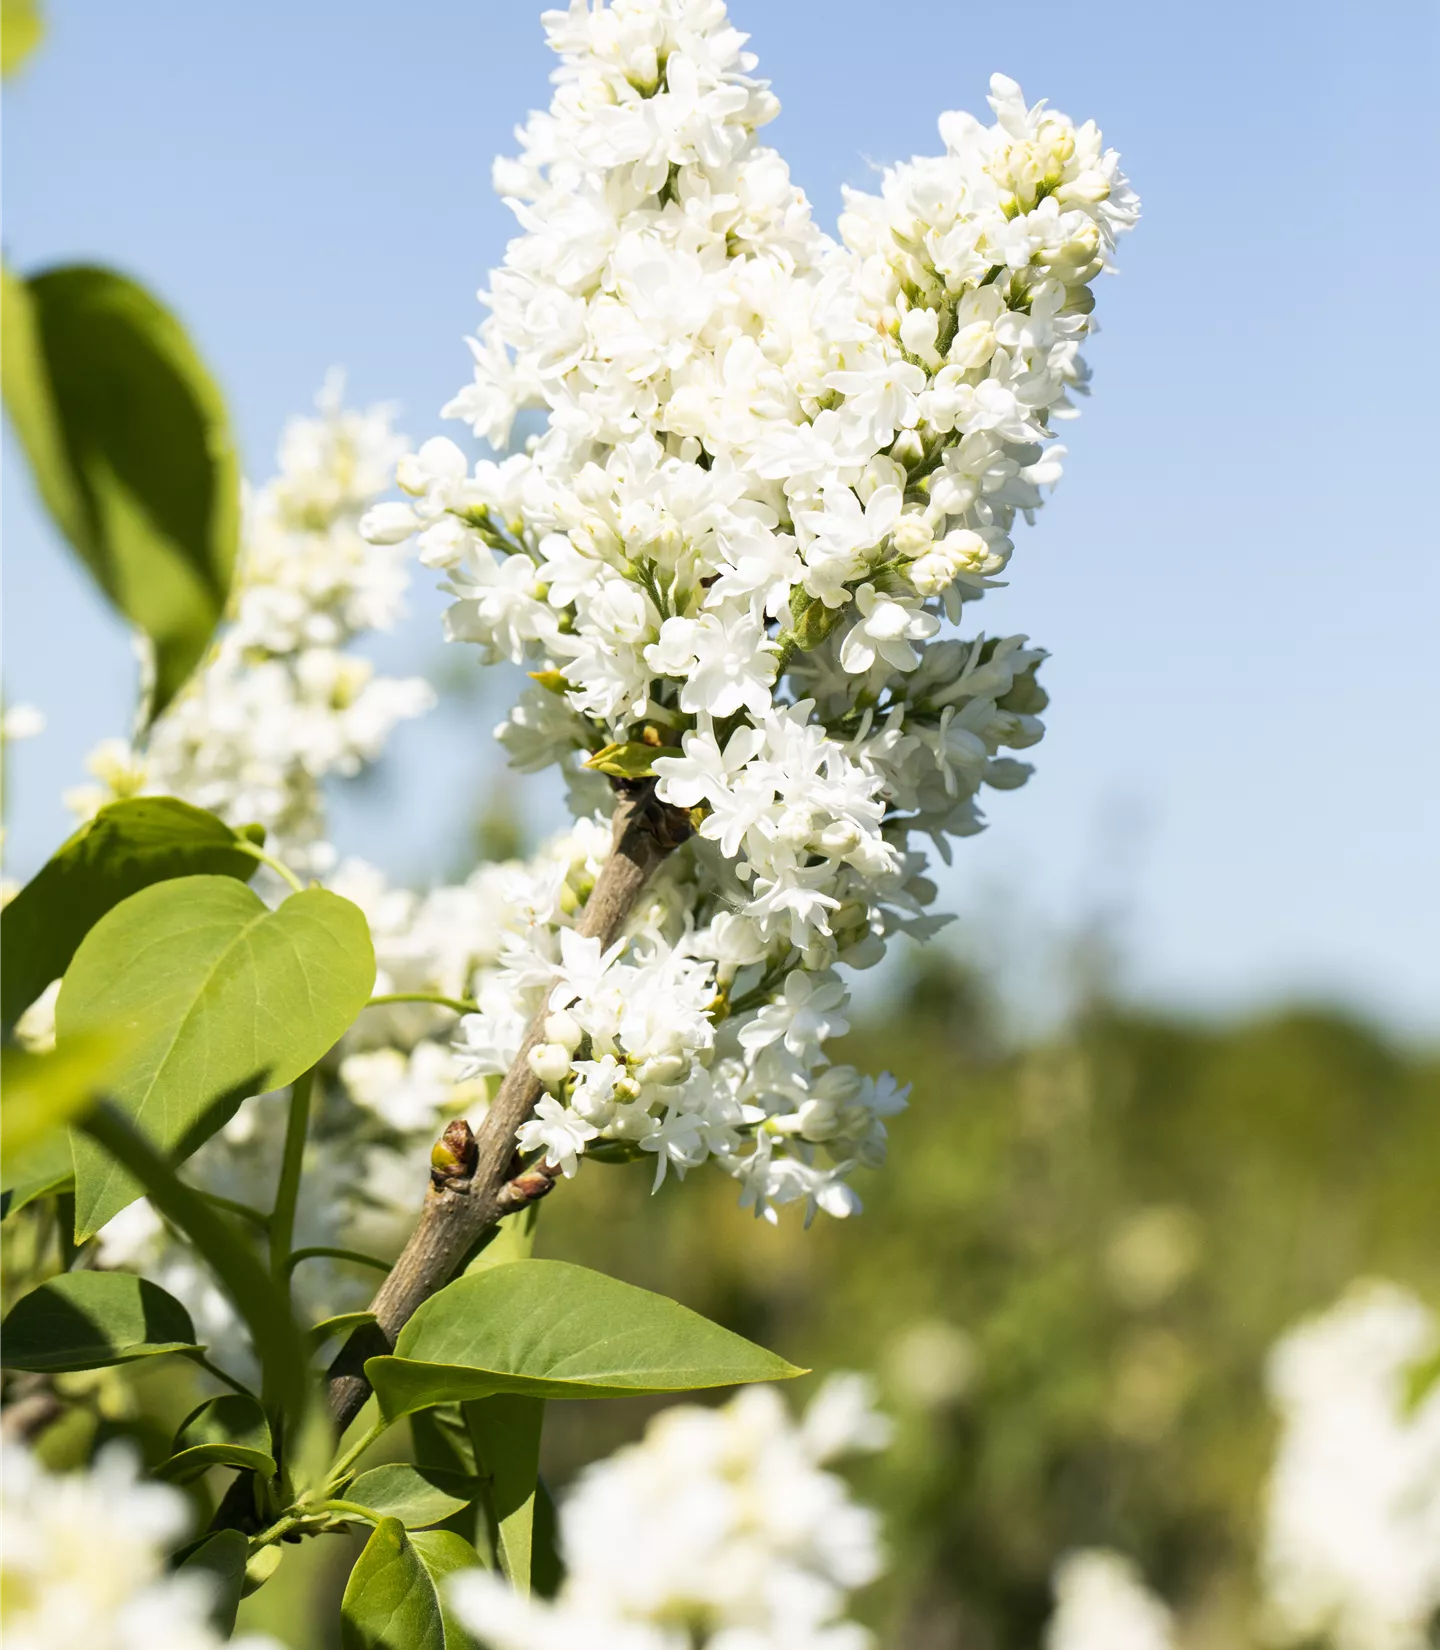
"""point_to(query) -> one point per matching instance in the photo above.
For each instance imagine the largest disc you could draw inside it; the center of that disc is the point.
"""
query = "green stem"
(256, 1217)
(265, 1309)
(342, 1465)
(461, 1005)
(220, 1375)
(287, 1191)
(275, 865)
(352, 1508)
(280, 1527)
(323, 1252)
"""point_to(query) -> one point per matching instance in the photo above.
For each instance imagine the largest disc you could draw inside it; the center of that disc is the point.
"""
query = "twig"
(460, 1208)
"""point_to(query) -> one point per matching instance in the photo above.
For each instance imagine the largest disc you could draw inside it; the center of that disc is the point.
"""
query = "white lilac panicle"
(775, 466)
(282, 702)
(83, 1560)
(1102, 1604)
(720, 1528)
(1352, 1540)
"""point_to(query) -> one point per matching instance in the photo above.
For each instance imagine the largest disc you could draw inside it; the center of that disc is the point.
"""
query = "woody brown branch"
(460, 1207)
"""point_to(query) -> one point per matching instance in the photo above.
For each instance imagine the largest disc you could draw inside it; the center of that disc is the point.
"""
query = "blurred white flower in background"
(83, 1559)
(719, 1529)
(1352, 1539)
(1102, 1604)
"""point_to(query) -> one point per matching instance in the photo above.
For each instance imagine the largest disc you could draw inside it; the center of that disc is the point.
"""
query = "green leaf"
(417, 1496)
(222, 1557)
(229, 1431)
(88, 1320)
(259, 1567)
(392, 1599)
(44, 1091)
(547, 1568)
(131, 451)
(506, 1433)
(443, 1552)
(21, 30)
(127, 846)
(229, 999)
(547, 1329)
(44, 1167)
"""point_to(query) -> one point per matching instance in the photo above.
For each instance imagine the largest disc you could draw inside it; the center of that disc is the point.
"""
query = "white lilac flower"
(774, 466)
(83, 1560)
(730, 1525)
(1102, 1604)
(1352, 1536)
(280, 703)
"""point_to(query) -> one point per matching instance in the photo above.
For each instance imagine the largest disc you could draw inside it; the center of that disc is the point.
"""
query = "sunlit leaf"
(131, 452)
(392, 1600)
(548, 1329)
(233, 999)
(417, 1496)
(127, 846)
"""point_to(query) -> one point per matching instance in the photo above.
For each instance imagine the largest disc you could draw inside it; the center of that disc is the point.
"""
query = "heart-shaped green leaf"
(88, 1320)
(547, 1329)
(130, 448)
(417, 1496)
(127, 846)
(224, 998)
(392, 1600)
(229, 1431)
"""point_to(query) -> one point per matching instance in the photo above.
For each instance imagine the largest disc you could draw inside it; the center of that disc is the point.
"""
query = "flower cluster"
(1102, 1604)
(774, 466)
(84, 1560)
(719, 1528)
(282, 701)
(1352, 1540)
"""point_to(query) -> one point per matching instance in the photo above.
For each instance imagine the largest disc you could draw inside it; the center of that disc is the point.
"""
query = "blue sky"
(1237, 577)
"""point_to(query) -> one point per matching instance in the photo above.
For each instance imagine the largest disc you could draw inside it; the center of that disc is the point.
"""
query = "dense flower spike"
(732, 1535)
(281, 702)
(1352, 1539)
(85, 1560)
(774, 467)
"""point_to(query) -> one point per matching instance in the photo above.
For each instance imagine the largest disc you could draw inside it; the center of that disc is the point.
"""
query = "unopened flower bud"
(453, 1155)
(390, 523)
(664, 1068)
(550, 1062)
(563, 1028)
(913, 535)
